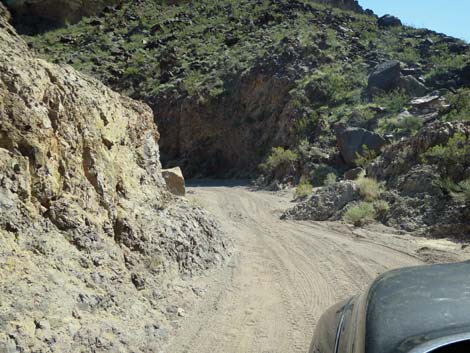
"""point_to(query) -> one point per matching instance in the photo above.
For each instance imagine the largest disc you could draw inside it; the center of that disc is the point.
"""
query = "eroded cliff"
(88, 231)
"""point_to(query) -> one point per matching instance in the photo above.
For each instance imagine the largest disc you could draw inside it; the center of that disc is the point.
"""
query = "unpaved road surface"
(283, 274)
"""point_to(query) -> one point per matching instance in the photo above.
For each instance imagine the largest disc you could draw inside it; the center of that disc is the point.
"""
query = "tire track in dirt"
(281, 278)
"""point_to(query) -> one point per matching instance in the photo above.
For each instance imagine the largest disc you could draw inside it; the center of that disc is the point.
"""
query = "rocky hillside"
(88, 231)
(291, 92)
(34, 16)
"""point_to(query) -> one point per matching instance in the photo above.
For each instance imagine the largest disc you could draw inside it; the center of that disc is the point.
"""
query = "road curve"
(282, 276)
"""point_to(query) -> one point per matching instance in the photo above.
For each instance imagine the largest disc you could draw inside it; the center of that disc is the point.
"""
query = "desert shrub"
(460, 105)
(320, 173)
(369, 188)
(360, 214)
(447, 185)
(465, 191)
(131, 71)
(452, 158)
(193, 82)
(409, 55)
(303, 189)
(330, 179)
(393, 101)
(445, 62)
(459, 191)
(381, 207)
(280, 163)
(404, 126)
(365, 158)
(330, 86)
(411, 124)
(278, 157)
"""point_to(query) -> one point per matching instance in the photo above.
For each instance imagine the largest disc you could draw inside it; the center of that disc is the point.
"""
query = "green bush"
(330, 179)
(132, 71)
(460, 105)
(280, 163)
(365, 158)
(452, 158)
(399, 127)
(360, 214)
(409, 55)
(303, 189)
(381, 207)
(279, 157)
(459, 191)
(465, 191)
(447, 185)
(369, 188)
(411, 124)
(393, 101)
(320, 173)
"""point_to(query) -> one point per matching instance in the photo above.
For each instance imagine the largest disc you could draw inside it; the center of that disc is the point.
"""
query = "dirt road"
(282, 276)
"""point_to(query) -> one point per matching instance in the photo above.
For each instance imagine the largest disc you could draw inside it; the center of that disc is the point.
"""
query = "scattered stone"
(181, 312)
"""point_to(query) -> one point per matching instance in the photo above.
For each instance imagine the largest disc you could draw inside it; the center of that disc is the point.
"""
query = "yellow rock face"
(88, 230)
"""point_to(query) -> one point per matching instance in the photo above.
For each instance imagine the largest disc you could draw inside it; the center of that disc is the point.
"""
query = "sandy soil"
(284, 274)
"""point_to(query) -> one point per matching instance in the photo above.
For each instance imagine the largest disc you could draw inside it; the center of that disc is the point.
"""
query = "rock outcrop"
(88, 231)
(389, 76)
(326, 203)
(389, 21)
(257, 113)
(417, 197)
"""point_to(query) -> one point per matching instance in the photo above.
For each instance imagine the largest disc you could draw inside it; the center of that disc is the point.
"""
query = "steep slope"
(303, 87)
(88, 231)
(273, 73)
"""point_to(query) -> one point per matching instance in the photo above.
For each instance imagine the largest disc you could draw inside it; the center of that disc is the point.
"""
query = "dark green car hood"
(410, 306)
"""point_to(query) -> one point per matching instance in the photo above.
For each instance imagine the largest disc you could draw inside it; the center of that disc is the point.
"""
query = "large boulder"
(174, 180)
(88, 231)
(412, 86)
(325, 203)
(352, 140)
(389, 21)
(385, 77)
